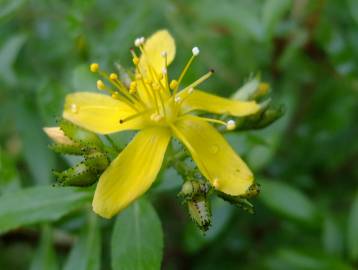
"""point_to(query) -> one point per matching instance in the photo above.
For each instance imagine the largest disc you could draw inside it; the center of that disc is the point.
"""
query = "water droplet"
(74, 108)
(214, 149)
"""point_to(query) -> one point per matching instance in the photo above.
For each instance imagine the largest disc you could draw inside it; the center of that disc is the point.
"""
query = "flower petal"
(215, 158)
(202, 101)
(154, 46)
(132, 172)
(100, 113)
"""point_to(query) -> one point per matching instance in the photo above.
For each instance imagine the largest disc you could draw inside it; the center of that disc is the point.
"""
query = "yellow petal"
(157, 43)
(202, 101)
(215, 158)
(132, 172)
(100, 113)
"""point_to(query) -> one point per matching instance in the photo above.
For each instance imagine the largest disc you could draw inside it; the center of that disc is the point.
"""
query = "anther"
(94, 67)
(195, 51)
(164, 70)
(164, 53)
(135, 60)
(212, 71)
(100, 85)
(113, 76)
(173, 84)
(230, 125)
(137, 42)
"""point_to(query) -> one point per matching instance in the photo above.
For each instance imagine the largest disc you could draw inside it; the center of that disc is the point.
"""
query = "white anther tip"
(195, 51)
(230, 125)
(137, 42)
(164, 53)
(164, 70)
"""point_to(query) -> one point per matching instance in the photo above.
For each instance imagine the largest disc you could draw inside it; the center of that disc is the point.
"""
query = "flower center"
(150, 93)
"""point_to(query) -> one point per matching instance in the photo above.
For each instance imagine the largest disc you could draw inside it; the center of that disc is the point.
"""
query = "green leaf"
(86, 254)
(288, 201)
(332, 236)
(9, 6)
(272, 13)
(38, 156)
(8, 53)
(137, 239)
(352, 230)
(38, 204)
(45, 256)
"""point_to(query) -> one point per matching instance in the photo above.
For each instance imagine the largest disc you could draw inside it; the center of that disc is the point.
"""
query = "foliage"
(307, 213)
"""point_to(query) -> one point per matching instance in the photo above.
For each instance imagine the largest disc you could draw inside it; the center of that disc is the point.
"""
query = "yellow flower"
(159, 109)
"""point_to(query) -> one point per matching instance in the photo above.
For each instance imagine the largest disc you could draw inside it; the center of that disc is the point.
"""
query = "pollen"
(230, 125)
(100, 85)
(173, 84)
(94, 67)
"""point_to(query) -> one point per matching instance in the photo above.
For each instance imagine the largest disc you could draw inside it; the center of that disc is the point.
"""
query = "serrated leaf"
(86, 254)
(288, 201)
(352, 230)
(137, 239)
(38, 204)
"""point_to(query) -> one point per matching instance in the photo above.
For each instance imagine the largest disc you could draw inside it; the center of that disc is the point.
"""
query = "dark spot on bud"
(212, 70)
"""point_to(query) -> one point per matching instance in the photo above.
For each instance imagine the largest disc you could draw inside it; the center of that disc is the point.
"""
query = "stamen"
(195, 52)
(156, 117)
(216, 121)
(132, 87)
(121, 121)
(113, 76)
(135, 60)
(199, 81)
(177, 99)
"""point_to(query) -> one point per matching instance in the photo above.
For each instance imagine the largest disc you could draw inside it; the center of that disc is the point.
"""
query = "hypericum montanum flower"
(159, 109)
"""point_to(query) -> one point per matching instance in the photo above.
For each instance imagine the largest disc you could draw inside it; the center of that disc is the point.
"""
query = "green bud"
(67, 149)
(238, 201)
(192, 188)
(80, 135)
(79, 175)
(199, 211)
(97, 162)
(261, 119)
(247, 91)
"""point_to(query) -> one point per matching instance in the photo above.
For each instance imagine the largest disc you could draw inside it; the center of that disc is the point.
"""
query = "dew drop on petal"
(214, 149)
(74, 108)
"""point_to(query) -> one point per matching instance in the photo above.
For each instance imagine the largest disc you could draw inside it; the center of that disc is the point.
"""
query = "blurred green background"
(307, 214)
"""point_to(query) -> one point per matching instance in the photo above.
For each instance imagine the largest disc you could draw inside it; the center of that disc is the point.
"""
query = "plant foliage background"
(307, 214)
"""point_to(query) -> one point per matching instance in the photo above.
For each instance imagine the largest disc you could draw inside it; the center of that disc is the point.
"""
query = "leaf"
(272, 13)
(288, 201)
(332, 236)
(86, 254)
(45, 257)
(38, 204)
(352, 230)
(8, 53)
(137, 239)
(34, 142)
(9, 7)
